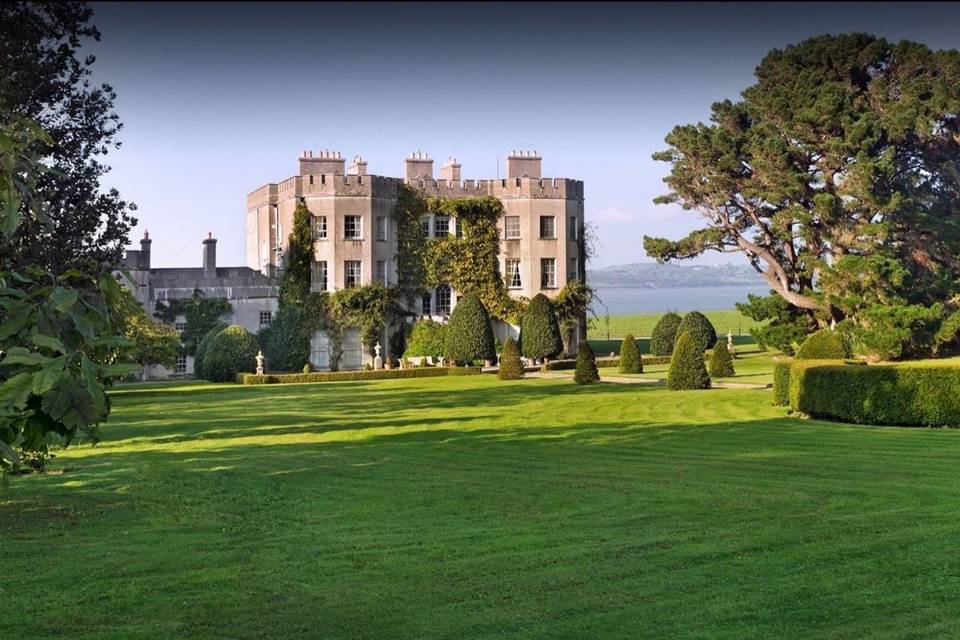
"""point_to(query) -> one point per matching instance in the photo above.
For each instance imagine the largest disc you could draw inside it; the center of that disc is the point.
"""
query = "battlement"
(524, 164)
(506, 188)
(267, 194)
(325, 161)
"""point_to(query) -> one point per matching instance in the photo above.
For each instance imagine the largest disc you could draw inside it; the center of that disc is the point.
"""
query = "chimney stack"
(210, 256)
(145, 251)
(323, 162)
(358, 168)
(419, 165)
(450, 171)
(523, 164)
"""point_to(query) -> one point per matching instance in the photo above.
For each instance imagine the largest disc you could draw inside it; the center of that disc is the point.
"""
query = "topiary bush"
(427, 338)
(286, 342)
(700, 329)
(540, 329)
(781, 382)
(510, 366)
(630, 360)
(232, 351)
(586, 371)
(469, 336)
(687, 369)
(721, 362)
(664, 334)
(202, 347)
(822, 345)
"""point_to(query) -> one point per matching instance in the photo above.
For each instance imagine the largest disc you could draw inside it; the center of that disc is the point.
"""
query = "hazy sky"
(219, 99)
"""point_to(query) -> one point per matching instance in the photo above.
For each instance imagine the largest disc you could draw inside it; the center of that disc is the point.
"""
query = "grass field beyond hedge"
(472, 508)
(641, 324)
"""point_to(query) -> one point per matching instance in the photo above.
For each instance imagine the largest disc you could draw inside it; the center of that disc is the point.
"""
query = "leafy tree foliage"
(201, 313)
(286, 342)
(630, 359)
(232, 351)
(837, 175)
(298, 260)
(721, 362)
(540, 329)
(469, 335)
(665, 334)
(784, 325)
(687, 369)
(202, 347)
(72, 223)
(154, 343)
(586, 369)
(822, 345)
(510, 366)
(427, 339)
(700, 329)
(882, 332)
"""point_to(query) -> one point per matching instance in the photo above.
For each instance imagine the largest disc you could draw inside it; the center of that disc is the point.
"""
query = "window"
(425, 304)
(441, 226)
(443, 300)
(382, 271)
(351, 274)
(548, 227)
(181, 366)
(352, 228)
(548, 273)
(425, 222)
(513, 273)
(382, 227)
(318, 276)
(574, 274)
(266, 317)
(511, 227)
(459, 227)
(180, 326)
(573, 232)
(319, 227)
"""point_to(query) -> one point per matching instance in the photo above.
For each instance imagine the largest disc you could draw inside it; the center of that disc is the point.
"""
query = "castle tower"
(358, 167)
(523, 164)
(419, 165)
(450, 170)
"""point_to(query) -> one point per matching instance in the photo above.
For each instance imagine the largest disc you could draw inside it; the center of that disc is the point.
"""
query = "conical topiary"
(630, 360)
(699, 328)
(510, 366)
(540, 329)
(586, 372)
(468, 335)
(721, 362)
(664, 334)
(687, 369)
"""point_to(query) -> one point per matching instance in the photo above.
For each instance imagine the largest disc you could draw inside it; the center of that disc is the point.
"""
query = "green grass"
(751, 366)
(641, 324)
(473, 508)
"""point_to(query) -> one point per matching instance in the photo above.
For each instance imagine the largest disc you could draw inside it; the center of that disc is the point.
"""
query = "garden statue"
(733, 352)
(259, 363)
(377, 361)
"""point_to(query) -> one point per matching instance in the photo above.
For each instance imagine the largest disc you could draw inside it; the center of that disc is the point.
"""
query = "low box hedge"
(567, 365)
(880, 394)
(350, 376)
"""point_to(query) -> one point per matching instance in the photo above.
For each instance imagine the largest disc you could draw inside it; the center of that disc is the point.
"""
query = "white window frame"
(574, 274)
(383, 228)
(357, 227)
(347, 265)
(574, 231)
(320, 227)
(436, 231)
(506, 227)
(425, 226)
(319, 276)
(553, 228)
(381, 271)
(269, 316)
(444, 299)
(512, 271)
(180, 327)
(180, 365)
(548, 267)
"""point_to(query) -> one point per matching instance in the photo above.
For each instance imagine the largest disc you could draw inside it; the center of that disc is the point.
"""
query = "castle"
(541, 238)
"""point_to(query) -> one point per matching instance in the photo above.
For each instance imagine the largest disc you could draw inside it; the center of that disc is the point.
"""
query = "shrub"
(664, 334)
(286, 342)
(540, 329)
(781, 382)
(687, 369)
(822, 345)
(721, 362)
(350, 376)
(232, 351)
(566, 365)
(907, 394)
(202, 346)
(426, 339)
(700, 329)
(630, 360)
(307, 368)
(469, 336)
(586, 371)
(510, 366)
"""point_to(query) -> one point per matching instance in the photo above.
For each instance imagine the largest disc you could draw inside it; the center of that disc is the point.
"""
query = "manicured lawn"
(472, 508)
(641, 324)
(751, 365)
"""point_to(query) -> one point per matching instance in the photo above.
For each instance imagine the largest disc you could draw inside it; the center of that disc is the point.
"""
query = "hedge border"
(567, 365)
(353, 376)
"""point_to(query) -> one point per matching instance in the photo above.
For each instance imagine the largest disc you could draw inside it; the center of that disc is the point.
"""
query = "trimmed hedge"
(351, 376)
(510, 366)
(426, 339)
(586, 370)
(781, 382)
(700, 329)
(231, 351)
(540, 330)
(469, 336)
(721, 362)
(630, 360)
(664, 334)
(687, 368)
(883, 394)
(822, 345)
(566, 365)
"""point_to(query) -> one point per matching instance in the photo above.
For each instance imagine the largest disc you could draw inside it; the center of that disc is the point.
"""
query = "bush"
(426, 339)
(232, 351)
(540, 329)
(566, 365)
(908, 394)
(781, 382)
(721, 362)
(664, 334)
(469, 336)
(586, 371)
(307, 368)
(202, 346)
(700, 329)
(350, 376)
(286, 342)
(510, 366)
(687, 369)
(630, 360)
(822, 345)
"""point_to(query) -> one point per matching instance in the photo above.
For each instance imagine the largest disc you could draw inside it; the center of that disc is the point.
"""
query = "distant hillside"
(658, 276)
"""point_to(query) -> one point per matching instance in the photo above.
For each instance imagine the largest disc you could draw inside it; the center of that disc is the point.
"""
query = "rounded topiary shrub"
(687, 369)
(540, 329)
(469, 336)
(721, 362)
(232, 351)
(202, 347)
(664, 334)
(586, 371)
(427, 338)
(510, 366)
(822, 345)
(699, 328)
(630, 360)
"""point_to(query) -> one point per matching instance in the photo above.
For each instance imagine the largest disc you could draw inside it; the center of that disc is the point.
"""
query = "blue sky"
(219, 99)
